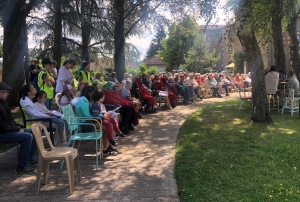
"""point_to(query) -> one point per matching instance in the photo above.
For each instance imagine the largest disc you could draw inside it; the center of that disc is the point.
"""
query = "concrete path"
(142, 171)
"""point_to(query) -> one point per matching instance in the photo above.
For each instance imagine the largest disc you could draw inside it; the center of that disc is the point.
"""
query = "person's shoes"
(120, 135)
(139, 116)
(125, 131)
(219, 96)
(25, 169)
(227, 94)
(33, 162)
(169, 108)
(130, 128)
(113, 142)
(64, 142)
(113, 149)
(108, 152)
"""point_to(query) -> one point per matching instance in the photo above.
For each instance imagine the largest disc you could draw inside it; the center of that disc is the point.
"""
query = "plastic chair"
(291, 103)
(74, 130)
(56, 153)
(27, 123)
(57, 96)
(245, 98)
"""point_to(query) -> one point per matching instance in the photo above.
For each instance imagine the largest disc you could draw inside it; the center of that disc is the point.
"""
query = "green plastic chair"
(74, 124)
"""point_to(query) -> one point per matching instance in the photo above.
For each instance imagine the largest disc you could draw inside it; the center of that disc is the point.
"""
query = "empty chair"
(68, 154)
(291, 103)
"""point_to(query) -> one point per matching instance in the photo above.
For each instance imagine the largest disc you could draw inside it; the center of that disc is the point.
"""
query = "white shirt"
(272, 79)
(64, 100)
(63, 75)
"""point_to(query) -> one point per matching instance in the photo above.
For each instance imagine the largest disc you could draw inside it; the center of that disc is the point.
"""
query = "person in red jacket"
(10, 131)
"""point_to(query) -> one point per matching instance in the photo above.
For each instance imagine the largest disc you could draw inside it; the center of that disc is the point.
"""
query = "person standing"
(84, 74)
(46, 81)
(10, 131)
(65, 75)
(34, 70)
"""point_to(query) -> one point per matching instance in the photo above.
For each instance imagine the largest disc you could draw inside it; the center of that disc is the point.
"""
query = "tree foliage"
(155, 44)
(199, 58)
(181, 39)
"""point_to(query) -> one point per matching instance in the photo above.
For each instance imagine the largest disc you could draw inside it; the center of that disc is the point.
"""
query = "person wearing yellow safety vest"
(84, 74)
(46, 81)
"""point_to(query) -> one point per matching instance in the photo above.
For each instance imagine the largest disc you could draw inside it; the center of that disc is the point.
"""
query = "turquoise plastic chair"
(74, 124)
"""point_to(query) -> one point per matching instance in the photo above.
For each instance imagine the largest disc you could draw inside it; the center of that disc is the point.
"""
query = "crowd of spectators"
(94, 98)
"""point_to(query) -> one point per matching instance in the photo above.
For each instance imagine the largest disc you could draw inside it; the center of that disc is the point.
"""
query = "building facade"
(218, 36)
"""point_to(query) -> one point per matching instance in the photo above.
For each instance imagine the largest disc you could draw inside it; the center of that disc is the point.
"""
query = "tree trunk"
(14, 47)
(279, 55)
(293, 41)
(119, 40)
(246, 35)
(57, 48)
(85, 30)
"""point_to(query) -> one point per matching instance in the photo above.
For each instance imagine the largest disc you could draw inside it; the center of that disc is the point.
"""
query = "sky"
(142, 43)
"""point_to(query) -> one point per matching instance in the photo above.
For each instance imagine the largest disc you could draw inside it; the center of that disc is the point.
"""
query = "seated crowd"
(95, 98)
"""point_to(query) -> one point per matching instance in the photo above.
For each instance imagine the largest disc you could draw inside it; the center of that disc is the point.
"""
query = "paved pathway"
(143, 171)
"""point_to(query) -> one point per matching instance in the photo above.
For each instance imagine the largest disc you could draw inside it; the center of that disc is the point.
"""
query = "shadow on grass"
(221, 155)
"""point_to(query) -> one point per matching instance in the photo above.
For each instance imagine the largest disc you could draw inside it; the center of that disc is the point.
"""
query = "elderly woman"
(158, 86)
(127, 110)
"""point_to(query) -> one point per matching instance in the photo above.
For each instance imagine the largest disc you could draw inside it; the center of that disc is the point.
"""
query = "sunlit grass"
(222, 156)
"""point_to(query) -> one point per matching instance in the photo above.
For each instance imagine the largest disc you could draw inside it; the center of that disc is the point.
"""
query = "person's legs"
(226, 89)
(126, 113)
(115, 125)
(25, 139)
(109, 128)
(191, 93)
(61, 127)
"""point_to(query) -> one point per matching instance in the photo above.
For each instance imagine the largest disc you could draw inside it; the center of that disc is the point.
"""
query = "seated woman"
(28, 94)
(67, 95)
(145, 95)
(171, 92)
(238, 81)
(127, 111)
(82, 109)
(99, 110)
(183, 90)
(125, 93)
(158, 86)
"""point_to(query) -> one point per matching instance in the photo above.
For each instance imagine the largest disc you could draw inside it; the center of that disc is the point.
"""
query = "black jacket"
(7, 121)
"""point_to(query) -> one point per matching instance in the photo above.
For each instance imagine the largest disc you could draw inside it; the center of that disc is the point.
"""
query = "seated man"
(293, 84)
(10, 131)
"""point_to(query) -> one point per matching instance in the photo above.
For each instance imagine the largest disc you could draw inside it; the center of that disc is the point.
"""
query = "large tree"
(129, 17)
(292, 14)
(245, 32)
(15, 45)
(155, 44)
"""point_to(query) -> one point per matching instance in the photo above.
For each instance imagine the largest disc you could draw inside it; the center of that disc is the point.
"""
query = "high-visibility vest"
(86, 76)
(43, 86)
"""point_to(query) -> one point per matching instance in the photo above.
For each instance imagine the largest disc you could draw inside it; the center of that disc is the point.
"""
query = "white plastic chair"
(57, 96)
(69, 154)
(291, 102)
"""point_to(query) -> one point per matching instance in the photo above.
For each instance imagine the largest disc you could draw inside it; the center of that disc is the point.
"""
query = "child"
(98, 109)
(39, 100)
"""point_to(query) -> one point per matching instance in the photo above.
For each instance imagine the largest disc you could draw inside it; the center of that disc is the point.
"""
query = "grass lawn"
(222, 156)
